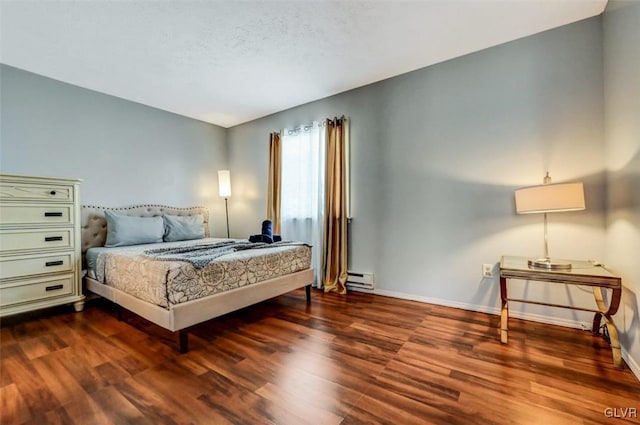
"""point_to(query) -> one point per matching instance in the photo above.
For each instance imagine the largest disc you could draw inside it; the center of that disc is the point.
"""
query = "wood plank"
(118, 408)
(152, 405)
(84, 410)
(177, 387)
(299, 404)
(57, 378)
(13, 407)
(28, 382)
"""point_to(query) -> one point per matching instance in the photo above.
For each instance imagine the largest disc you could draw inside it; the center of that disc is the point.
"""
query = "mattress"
(167, 283)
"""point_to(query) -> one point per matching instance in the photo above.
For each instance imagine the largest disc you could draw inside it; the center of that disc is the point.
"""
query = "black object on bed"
(267, 235)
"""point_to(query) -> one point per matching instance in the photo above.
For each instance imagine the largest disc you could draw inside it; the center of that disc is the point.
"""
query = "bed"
(177, 293)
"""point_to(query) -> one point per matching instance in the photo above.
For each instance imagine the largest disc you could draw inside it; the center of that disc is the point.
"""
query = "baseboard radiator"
(360, 281)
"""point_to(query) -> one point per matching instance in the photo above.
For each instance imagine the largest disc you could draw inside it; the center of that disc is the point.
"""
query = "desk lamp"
(548, 198)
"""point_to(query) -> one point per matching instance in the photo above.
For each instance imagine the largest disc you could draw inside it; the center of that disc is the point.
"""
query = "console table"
(582, 273)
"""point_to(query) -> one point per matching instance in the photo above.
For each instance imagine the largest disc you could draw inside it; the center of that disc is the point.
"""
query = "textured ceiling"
(228, 62)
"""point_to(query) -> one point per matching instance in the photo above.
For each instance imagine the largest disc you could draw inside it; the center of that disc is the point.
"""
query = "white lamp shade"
(224, 183)
(550, 198)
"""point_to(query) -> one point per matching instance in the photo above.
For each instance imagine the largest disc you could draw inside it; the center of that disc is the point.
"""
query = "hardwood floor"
(341, 360)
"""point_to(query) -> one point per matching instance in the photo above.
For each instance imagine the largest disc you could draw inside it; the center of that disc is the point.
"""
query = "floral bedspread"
(163, 282)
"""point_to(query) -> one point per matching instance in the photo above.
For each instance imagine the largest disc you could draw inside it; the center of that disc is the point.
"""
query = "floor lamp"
(545, 199)
(224, 186)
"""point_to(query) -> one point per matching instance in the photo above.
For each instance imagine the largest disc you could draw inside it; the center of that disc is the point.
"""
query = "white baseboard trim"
(633, 365)
(486, 309)
(631, 362)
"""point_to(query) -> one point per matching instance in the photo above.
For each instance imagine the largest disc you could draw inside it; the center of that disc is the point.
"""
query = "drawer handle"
(53, 287)
(53, 238)
(53, 214)
(53, 192)
(54, 263)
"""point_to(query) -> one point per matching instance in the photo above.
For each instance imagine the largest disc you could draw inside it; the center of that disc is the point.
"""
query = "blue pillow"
(123, 230)
(183, 228)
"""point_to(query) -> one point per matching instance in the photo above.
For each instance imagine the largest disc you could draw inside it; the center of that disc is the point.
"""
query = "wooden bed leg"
(307, 290)
(184, 340)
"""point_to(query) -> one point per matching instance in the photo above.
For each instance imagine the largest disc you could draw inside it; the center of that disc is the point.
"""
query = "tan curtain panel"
(274, 181)
(334, 259)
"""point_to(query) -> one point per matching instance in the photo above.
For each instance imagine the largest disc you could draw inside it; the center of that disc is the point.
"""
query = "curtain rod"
(322, 123)
(307, 127)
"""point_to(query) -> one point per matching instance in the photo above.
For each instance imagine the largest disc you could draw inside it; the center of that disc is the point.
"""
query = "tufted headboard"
(94, 225)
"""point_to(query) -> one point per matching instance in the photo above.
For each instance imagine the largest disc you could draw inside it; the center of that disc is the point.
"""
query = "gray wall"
(125, 152)
(622, 137)
(436, 156)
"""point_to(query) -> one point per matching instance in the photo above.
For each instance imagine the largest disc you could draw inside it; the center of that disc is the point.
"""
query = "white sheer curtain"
(302, 192)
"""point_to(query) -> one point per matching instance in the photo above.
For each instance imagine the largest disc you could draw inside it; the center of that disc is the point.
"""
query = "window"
(302, 191)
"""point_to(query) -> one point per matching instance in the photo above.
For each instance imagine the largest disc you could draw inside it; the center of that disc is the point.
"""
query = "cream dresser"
(40, 259)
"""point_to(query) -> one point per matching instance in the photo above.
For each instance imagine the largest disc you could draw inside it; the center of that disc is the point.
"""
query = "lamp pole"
(224, 187)
(226, 208)
(546, 239)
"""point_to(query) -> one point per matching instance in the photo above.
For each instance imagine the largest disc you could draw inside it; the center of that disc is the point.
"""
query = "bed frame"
(179, 317)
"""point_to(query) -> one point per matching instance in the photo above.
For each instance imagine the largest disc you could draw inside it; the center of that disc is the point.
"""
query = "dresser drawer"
(36, 192)
(35, 214)
(23, 240)
(36, 289)
(12, 267)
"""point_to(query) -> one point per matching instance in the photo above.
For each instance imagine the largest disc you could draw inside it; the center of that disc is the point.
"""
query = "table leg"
(606, 313)
(615, 341)
(504, 312)
(595, 328)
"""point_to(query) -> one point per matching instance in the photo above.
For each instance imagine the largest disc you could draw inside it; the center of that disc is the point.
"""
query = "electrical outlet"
(487, 270)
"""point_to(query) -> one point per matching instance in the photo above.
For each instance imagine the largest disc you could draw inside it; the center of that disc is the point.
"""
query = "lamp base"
(549, 264)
